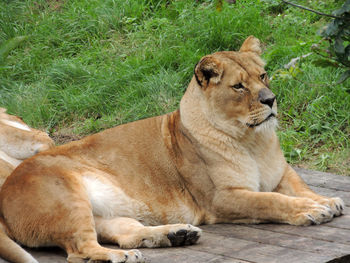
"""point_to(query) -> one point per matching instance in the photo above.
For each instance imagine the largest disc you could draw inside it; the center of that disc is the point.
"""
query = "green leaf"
(345, 8)
(324, 63)
(338, 46)
(347, 52)
(10, 45)
(331, 29)
(219, 4)
(344, 77)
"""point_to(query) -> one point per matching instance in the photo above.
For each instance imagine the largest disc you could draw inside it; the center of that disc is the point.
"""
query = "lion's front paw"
(130, 256)
(172, 236)
(110, 256)
(134, 256)
(184, 235)
(308, 212)
(336, 204)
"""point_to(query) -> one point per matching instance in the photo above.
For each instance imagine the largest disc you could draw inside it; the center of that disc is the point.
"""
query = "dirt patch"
(61, 138)
(52, 5)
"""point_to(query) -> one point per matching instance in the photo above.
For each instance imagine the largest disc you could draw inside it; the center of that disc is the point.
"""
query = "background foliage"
(78, 67)
(337, 34)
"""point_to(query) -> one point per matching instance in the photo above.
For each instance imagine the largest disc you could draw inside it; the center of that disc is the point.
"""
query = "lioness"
(215, 160)
(18, 141)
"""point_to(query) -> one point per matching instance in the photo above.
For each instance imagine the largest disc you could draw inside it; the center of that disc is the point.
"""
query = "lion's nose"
(266, 97)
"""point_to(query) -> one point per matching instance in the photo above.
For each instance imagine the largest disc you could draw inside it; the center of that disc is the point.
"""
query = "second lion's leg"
(292, 185)
(129, 233)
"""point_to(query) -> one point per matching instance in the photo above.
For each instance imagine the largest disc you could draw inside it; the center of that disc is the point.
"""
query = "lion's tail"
(10, 250)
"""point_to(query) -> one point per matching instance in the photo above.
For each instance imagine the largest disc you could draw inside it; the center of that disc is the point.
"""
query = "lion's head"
(234, 89)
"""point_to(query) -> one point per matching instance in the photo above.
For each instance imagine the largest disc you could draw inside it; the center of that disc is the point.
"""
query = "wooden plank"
(230, 260)
(342, 222)
(279, 239)
(158, 255)
(320, 232)
(325, 180)
(254, 251)
(46, 255)
(183, 254)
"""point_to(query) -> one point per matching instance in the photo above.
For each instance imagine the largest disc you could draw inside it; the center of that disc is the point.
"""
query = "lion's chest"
(270, 174)
(254, 168)
(268, 162)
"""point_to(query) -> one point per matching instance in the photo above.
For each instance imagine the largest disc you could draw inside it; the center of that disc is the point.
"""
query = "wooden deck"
(265, 243)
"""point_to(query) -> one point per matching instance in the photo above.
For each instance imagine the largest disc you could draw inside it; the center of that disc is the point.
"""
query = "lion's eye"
(263, 76)
(238, 86)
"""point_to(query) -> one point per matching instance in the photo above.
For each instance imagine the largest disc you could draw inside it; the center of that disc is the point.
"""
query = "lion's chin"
(270, 124)
(272, 115)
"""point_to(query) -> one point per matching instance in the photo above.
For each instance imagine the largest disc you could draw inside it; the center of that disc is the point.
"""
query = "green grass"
(85, 66)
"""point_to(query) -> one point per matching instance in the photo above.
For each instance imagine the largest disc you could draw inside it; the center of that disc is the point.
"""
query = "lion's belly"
(109, 201)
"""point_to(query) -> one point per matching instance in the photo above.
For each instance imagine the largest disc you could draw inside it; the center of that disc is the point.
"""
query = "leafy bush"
(337, 33)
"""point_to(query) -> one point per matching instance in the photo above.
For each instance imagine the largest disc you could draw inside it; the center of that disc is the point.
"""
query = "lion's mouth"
(272, 115)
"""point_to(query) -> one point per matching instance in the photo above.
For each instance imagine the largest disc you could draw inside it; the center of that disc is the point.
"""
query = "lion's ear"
(208, 70)
(251, 44)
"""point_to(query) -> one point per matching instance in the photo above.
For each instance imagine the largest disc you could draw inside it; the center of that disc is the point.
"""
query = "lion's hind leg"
(79, 238)
(54, 210)
(129, 233)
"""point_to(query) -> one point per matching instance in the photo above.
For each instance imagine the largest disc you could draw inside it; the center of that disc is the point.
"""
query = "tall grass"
(89, 65)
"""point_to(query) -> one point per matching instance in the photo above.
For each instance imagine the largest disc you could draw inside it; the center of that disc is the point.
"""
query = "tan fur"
(17, 142)
(215, 160)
